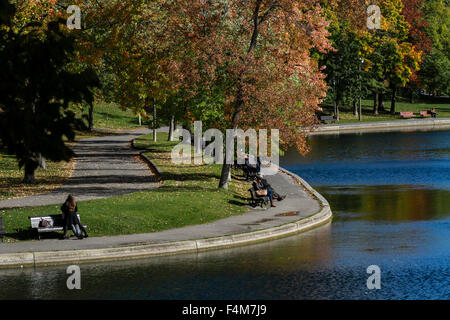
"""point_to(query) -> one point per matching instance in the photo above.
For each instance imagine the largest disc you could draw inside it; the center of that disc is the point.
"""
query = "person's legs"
(270, 195)
(76, 230)
(276, 195)
(64, 236)
(83, 229)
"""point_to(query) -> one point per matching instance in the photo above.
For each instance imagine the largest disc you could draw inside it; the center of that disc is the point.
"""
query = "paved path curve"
(105, 166)
(101, 163)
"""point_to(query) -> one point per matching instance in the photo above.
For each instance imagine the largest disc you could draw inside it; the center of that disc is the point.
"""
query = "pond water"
(390, 196)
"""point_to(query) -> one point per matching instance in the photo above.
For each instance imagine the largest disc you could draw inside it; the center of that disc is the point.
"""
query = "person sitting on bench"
(262, 184)
(70, 218)
(433, 112)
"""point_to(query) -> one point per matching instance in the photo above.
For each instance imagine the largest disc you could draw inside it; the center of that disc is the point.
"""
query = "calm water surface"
(390, 195)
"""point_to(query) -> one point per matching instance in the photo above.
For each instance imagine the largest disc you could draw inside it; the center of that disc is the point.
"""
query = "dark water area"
(390, 197)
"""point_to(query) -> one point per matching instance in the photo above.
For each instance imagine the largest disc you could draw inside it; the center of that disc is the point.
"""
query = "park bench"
(2, 229)
(324, 119)
(55, 223)
(258, 200)
(407, 114)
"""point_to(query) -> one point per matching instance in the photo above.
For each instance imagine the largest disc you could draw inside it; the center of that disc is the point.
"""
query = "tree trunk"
(91, 118)
(381, 101)
(226, 168)
(336, 110)
(225, 175)
(30, 168)
(411, 95)
(171, 128)
(355, 108)
(375, 104)
(154, 121)
(394, 96)
(360, 109)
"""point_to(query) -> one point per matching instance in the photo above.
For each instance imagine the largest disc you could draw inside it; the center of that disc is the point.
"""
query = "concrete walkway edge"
(382, 126)
(32, 259)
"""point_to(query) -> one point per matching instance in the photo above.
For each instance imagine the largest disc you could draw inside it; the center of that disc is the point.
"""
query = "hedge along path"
(106, 166)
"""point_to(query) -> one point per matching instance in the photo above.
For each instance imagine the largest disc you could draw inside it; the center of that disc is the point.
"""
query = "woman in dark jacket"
(70, 217)
(262, 184)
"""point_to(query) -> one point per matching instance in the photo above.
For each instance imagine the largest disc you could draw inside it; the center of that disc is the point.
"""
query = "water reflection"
(202, 275)
(390, 195)
(387, 202)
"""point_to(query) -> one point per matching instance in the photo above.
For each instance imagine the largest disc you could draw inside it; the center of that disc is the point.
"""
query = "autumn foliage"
(242, 63)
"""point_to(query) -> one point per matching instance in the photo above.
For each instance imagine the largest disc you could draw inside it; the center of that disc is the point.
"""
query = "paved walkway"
(298, 204)
(105, 166)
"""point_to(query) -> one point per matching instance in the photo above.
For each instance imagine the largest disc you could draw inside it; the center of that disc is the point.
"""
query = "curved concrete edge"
(149, 162)
(141, 251)
(382, 125)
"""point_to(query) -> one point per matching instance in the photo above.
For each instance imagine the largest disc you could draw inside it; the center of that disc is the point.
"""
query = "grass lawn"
(188, 196)
(346, 112)
(111, 116)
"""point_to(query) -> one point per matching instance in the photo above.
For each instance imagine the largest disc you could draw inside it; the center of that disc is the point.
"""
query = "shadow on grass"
(367, 110)
(184, 189)
(238, 203)
(23, 234)
(188, 176)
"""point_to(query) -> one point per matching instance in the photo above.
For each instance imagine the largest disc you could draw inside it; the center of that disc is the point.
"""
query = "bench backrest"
(326, 118)
(55, 219)
(252, 193)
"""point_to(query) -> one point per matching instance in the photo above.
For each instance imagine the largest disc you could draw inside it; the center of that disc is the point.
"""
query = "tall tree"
(435, 71)
(37, 86)
(414, 16)
(388, 54)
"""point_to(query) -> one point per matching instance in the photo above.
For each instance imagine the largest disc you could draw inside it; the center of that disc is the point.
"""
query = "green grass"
(441, 105)
(188, 196)
(111, 116)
